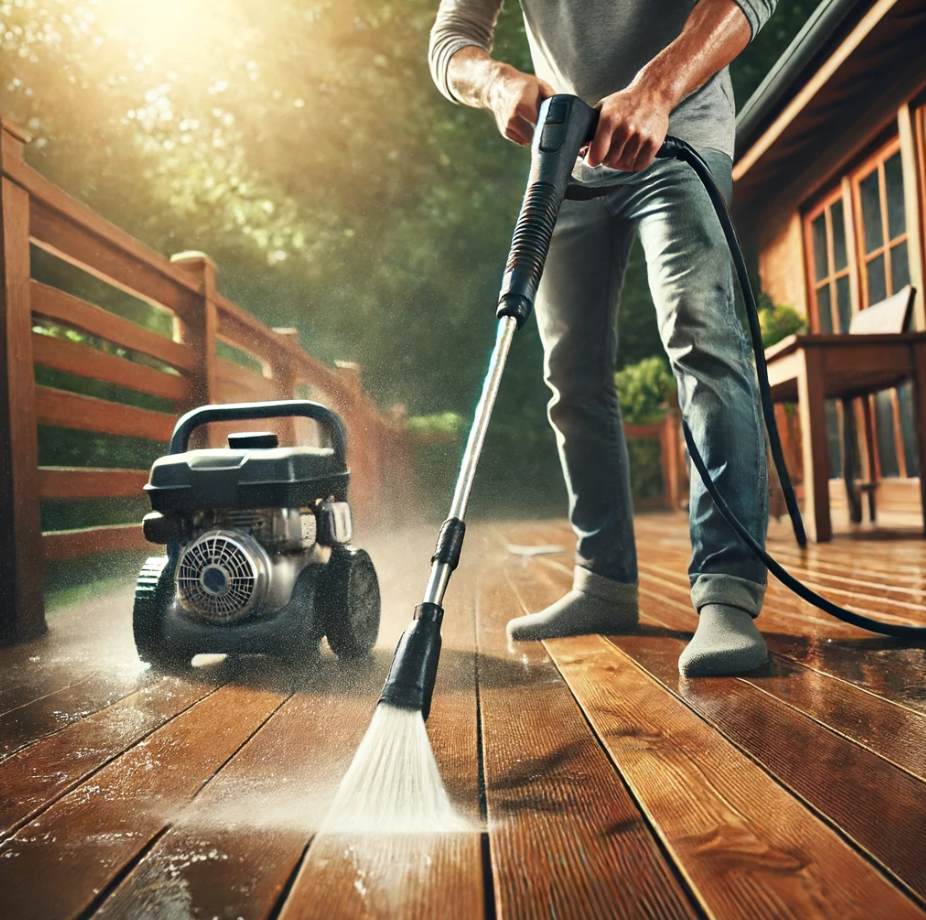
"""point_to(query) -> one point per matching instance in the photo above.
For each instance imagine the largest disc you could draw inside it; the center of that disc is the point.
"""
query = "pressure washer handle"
(565, 125)
(237, 412)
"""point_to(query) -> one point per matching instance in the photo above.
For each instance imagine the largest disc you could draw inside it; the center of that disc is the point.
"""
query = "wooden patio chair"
(876, 354)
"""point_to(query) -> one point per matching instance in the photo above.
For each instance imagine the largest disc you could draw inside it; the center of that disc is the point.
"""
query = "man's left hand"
(632, 126)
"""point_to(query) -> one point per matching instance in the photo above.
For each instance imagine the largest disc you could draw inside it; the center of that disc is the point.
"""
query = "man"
(655, 67)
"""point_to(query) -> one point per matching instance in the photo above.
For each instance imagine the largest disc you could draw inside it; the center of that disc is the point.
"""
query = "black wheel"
(301, 647)
(349, 601)
(152, 596)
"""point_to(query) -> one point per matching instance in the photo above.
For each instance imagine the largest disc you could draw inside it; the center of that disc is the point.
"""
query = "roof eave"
(806, 45)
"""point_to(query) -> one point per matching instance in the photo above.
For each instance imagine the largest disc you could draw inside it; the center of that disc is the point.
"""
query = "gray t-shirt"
(592, 48)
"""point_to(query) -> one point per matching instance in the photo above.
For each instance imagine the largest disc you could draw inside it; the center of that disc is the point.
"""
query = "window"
(828, 252)
(855, 241)
(878, 193)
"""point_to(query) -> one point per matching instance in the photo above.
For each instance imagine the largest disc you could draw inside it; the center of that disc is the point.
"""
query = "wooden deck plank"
(746, 845)
(58, 710)
(411, 875)
(889, 728)
(233, 850)
(33, 778)
(879, 806)
(565, 836)
(87, 838)
(855, 785)
(567, 840)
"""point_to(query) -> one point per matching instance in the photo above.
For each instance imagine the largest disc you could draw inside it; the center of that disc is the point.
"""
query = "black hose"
(898, 631)
(682, 151)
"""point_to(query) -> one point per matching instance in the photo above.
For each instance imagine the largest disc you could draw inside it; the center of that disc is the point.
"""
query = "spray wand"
(566, 123)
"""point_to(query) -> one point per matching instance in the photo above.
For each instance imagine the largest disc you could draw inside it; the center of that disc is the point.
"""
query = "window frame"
(874, 162)
(824, 206)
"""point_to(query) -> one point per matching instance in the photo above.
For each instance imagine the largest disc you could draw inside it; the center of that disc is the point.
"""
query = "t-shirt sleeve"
(757, 12)
(460, 23)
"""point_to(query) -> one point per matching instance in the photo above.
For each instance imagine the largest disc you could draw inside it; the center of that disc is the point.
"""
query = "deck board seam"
(19, 825)
(103, 895)
(240, 747)
(277, 907)
(45, 696)
(699, 909)
(835, 731)
(489, 908)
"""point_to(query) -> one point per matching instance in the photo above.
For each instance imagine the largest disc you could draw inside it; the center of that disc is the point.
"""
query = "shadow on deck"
(599, 783)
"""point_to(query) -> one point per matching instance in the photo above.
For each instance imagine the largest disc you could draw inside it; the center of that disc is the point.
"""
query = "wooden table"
(599, 784)
(809, 369)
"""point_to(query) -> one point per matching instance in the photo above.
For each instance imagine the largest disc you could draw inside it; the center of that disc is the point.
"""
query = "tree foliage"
(302, 145)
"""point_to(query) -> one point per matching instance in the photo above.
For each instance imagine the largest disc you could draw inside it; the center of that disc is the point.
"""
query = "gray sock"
(726, 642)
(594, 605)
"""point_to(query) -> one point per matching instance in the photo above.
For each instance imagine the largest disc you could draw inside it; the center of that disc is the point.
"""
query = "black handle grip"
(565, 125)
(237, 412)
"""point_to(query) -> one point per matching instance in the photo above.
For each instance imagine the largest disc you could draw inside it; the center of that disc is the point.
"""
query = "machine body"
(259, 555)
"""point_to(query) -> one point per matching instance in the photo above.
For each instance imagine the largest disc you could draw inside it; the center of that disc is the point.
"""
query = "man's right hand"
(513, 97)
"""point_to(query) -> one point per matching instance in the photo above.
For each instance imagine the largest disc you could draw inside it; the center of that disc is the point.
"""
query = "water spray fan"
(565, 125)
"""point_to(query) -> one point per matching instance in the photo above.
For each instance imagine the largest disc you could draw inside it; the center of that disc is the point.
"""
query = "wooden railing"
(186, 371)
(671, 455)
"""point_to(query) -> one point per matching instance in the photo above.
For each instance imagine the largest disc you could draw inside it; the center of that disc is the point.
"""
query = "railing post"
(22, 614)
(670, 448)
(200, 332)
(365, 494)
(284, 383)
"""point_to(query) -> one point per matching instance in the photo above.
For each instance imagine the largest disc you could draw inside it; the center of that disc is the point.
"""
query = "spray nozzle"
(410, 683)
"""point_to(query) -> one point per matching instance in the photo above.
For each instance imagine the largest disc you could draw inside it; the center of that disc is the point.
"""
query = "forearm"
(470, 73)
(715, 33)
(461, 27)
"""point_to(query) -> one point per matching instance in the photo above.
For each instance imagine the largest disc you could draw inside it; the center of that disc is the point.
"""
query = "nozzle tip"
(410, 684)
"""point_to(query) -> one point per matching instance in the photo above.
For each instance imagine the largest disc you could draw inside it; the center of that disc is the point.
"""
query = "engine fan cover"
(222, 576)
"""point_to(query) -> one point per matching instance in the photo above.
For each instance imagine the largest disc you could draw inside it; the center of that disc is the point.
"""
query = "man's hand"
(514, 99)
(632, 126)
(634, 121)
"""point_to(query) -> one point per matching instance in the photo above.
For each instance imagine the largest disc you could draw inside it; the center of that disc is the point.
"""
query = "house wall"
(781, 261)
(771, 217)
(770, 222)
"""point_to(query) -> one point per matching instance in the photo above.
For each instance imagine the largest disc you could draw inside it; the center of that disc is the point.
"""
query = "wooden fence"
(187, 371)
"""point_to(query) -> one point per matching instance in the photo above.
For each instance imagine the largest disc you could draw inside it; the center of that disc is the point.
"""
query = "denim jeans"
(693, 288)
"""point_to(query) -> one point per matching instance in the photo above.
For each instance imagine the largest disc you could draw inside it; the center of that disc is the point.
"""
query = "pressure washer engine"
(259, 554)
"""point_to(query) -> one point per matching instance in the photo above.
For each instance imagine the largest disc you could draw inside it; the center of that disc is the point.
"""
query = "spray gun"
(565, 125)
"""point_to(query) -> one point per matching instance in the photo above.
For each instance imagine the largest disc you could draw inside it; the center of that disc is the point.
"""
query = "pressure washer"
(260, 558)
(565, 125)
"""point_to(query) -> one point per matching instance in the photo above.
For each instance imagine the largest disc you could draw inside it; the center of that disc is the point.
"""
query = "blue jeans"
(693, 288)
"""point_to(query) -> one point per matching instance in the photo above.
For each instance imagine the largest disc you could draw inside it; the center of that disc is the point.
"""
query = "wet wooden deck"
(600, 785)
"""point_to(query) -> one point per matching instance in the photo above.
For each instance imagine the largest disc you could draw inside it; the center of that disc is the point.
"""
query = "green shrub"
(442, 426)
(778, 321)
(644, 389)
